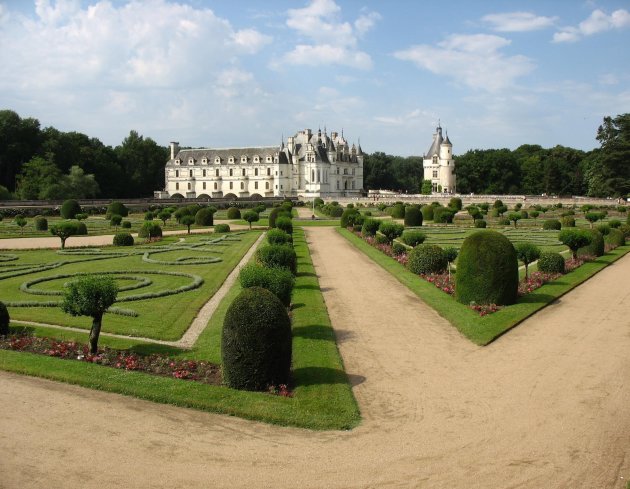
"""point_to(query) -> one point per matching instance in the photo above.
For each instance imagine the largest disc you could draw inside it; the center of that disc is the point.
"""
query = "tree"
(575, 239)
(76, 185)
(426, 187)
(534, 214)
(527, 253)
(90, 295)
(474, 212)
(593, 217)
(164, 216)
(250, 217)
(21, 222)
(20, 141)
(142, 162)
(514, 217)
(187, 221)
(64, 230)
(36, 178)
(115, 221)
(451, 255)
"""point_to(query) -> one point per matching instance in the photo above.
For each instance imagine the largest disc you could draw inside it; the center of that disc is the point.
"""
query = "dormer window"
(256, 159)
(204, 161)
(268, 159)
(191, 161)
(177, 161)
(217, 160)
(435, 160)
(231, 159)
(243, 159)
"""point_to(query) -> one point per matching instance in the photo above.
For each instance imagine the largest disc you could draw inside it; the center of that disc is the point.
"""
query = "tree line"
(38, 163)
(46, 163)
(529, 169)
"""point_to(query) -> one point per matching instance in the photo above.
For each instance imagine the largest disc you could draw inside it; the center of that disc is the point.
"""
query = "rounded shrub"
(398, 248)
(487, 270)
(413, 216)
(614, 223)
(41, 224)
(443, 215)
(126, 225)
(480, 223)
(233, 213)
(348, 217)
(552, 225)
(503, 221)
(278, 236)
(69, 209)
(117, 208)
(427, 212)
(413, 238)
(625, 229)
(568, 222)
(123, 239)
(597, 246)
(398, 211)
(150, 229)
(4, 319)
(256, 341)
(380, 239)
(551, 262)
(204, 217)
(81, 229)
(524, 214)
(427, 258)
(277, 256)
(370, 226)
(455, 203)
(285, 224)
(280, 281)
(221, 228)
(391, 230)
(273, 215)
(148, 216)
(615, 238)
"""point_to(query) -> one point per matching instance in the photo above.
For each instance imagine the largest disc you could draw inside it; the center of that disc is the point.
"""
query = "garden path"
(545, 406)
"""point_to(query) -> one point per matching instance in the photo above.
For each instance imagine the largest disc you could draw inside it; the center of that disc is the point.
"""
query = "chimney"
(174, 149)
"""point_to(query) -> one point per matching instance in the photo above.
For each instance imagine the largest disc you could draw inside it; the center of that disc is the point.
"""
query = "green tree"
(593, 217)
(37, 177)
(575, 239)
(187, 221)
(90, 296)
(514, 217)
(142, 162)
(75, 185)
(527, 253)
(164, 216)
(426, 187)
(20, 141)
(451, 255)
(250, 217)
(64, 230)
(21, 222)
(115, 221)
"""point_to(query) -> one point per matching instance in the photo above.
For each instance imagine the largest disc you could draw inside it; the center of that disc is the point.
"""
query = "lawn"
(478, 329)
(322, 397)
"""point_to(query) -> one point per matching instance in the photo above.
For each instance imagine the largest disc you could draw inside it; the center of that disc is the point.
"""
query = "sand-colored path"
(545, 406)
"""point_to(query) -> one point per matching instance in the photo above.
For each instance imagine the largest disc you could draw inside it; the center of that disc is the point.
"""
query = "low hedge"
(427, 258)
(370, 226)
(150, 229)
(277, 256)
(221, 228)
(123, 239)
(41, 224)
(280, 281)
(391, 230)
(480, 223)
(551, 262)
(278, 236)
(413, 216)
(413, 238)
(552, 225)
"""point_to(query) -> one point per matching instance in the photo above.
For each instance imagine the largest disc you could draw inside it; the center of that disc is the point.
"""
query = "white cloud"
(474, 60)
(325, 38)
(608, 79)
(518, 21)
(250, 40)
(597, 22)
(404, 119)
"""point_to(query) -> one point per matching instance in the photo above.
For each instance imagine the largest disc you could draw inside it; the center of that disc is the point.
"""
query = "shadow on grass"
(314, 332)
(533, 298)
(297, 305)
(322, 375)
(306, 274)
(155, 349)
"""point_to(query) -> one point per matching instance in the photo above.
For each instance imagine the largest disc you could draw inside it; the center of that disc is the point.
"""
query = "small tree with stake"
(90, 295)
(527, 253)
(164, 216)
(115, 221)
(250, 217)
(21, 222)
(64, 230)
(514, 217)
(187, 221)
(451, 255)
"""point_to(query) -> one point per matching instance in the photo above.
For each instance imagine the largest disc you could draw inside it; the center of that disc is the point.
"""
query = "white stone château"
(439, 165)
(309, 165)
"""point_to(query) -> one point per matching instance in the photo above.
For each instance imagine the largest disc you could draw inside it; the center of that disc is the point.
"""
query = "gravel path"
(545, 406)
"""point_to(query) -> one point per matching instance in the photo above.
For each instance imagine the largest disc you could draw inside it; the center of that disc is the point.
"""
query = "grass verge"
(484, 330)
(322, 399)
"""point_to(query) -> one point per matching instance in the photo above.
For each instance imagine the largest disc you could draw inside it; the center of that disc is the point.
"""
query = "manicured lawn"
(322, 397)
(164, 317)
(483, 330)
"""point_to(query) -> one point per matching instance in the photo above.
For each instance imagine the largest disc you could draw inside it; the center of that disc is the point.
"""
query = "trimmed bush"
(348, 217)
(380, 239)
(148, 216)
(117, 208)
(497, 204)
(41, 224)
(273, 215)
(251, 217)
(487, 270)
(370, 226)
(551, 262)
(427, 212)
(455, 203)
(123, 239)
(597, 246)
(391, 230)
(413, 238)
(285, 224)
(568, 222)
(503, 221)
(443, 215)
(81, 229)
(69, 209)
(614, 223)
(398, 211)
(603, 228)
(552, 225)
(115, 220)
(233, 213)
(413, 216)
(615, 238)
(527, 253)
(150, 229)
(427, 258)
(277, 280)
(81, 216)
(4, 319)
(625, 229)
(221, 228)
(524, 214)
(204, 217)
(278, 236)
(575, 239)
(277, 256)
(480, 223)
(126, 225)
(398, 248)
(256, 341)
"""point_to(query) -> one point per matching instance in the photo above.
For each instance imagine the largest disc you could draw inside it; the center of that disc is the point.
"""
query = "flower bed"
(535, 281)
(198, 371)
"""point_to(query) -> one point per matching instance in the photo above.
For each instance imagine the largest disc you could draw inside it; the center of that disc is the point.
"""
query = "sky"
(230, 73)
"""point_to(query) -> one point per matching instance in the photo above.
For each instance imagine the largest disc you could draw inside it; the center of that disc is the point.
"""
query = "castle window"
(352, 184)
(242, 185)
(231, 159)
(435, 161)
(231, 172)
(204, 161)
(337, 184)
(243, 171)
(204, 185)
(268, 169)
(217, 160)
(280, 172)
(312, 175)
(268, 159)
(216, 172)
(231, 185)
(177, 161)
(216, 186)
(255, 172)
(256, 159)
(176, 173)
(190, 173)
(243, 159)
(176, 185)
(204, 173)
(191, 161)
(256, 185)
(188, 185)
(435, 173)
(266, 185)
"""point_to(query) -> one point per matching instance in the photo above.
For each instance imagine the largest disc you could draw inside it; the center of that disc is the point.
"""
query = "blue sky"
(243, 72)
